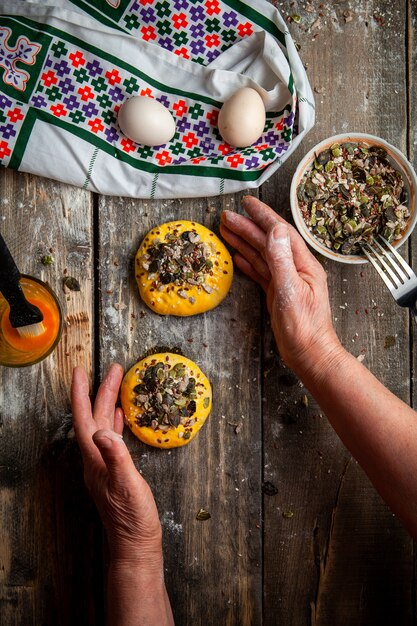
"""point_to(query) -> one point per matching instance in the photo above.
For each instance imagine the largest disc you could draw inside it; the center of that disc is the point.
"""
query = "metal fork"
(394, 271)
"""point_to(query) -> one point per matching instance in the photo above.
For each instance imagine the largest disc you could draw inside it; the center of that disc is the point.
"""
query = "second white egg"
(242, 118)
(145, 120)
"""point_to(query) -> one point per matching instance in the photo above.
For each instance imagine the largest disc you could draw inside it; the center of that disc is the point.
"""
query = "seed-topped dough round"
(166, 399)
(182, 268)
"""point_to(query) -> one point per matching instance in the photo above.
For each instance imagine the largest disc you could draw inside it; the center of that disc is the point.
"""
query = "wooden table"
(321, 548)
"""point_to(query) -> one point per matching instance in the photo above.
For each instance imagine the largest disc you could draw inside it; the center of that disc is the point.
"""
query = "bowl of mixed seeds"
(350, 188)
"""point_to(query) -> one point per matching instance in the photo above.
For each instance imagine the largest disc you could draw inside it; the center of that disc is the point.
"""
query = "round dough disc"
(179, 296)
(135, 382)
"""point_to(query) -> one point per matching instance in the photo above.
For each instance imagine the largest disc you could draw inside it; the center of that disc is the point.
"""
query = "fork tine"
(399, 258)
(391, 283)
(392, 263)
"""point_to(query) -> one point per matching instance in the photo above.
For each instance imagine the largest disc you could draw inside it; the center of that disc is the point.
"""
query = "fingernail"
(114, 436)
(245, 200)
(104, 442)
(229, 216)
(280, 232)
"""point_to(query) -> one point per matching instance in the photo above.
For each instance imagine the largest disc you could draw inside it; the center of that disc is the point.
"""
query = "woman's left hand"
(273, 253)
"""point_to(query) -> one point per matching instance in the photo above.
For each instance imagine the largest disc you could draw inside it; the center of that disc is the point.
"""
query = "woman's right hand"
(123, 498)
(272, 252)
(136, 588)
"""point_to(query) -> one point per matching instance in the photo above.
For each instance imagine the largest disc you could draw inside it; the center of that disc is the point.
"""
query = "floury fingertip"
(246, 200)
(228, 216)
(107, 438)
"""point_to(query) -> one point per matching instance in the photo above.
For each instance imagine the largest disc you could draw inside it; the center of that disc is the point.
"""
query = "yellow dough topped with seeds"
(166, 399)
(182, 268)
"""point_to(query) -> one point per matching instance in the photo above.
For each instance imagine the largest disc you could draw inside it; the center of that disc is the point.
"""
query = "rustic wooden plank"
(342, 553)
(47, 523)
(412, 155)
(332, 556)
(213, 568)
(412, 149)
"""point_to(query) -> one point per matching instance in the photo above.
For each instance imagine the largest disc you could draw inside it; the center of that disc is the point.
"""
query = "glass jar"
(16, 351)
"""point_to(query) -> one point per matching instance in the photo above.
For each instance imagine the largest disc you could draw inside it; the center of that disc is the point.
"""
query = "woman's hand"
(271, 252)
(136, 589)
(123, 498)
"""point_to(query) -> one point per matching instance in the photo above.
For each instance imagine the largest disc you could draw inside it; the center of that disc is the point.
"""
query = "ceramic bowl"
(398, 161)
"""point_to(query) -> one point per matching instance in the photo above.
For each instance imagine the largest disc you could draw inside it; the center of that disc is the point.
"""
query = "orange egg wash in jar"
(19, 351)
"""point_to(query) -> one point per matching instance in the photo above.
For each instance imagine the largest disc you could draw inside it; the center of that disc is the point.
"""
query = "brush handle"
(9, 273)
(22, 312)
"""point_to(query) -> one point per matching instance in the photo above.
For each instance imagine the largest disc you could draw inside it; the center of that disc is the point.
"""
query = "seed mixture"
(180, 260)
(167, 396)
(351, 194)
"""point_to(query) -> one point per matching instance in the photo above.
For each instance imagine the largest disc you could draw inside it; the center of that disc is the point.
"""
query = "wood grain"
(331, 558)
(213, 568)
(324, 549)
(48, 525)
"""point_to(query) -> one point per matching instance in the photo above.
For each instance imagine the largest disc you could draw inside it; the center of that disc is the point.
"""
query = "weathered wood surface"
(341, 558)
(213, 568)
(48, 526)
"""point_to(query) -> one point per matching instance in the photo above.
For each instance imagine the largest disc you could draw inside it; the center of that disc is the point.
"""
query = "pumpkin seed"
(191, 407)
(153, 266)
(202, 515)
(71, 283)
(47, 259)
(311, 189)
(324, 157)
(269, 489)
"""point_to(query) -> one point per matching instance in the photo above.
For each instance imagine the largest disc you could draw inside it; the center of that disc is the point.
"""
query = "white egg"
(145, 120)
(242, 118)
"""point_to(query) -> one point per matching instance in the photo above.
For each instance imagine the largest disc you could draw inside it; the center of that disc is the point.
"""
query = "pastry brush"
(25, 317)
